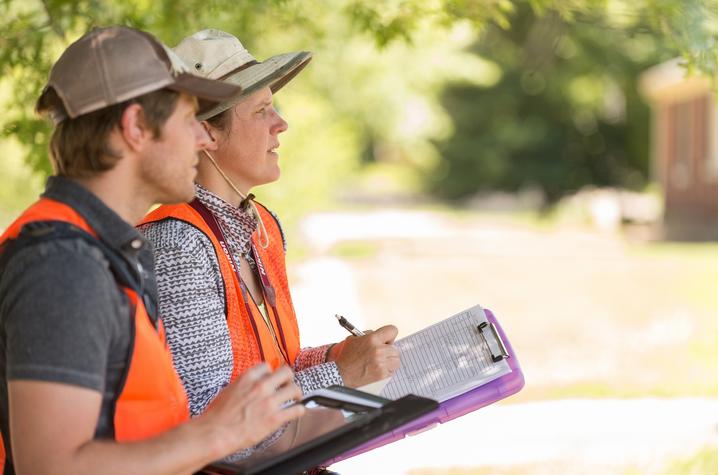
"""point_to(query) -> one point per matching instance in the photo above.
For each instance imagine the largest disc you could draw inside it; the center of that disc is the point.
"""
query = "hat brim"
(275, 72)
(209, 91)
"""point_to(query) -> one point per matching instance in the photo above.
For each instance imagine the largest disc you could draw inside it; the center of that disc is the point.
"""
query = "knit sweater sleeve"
(313, 371)
(191, 302)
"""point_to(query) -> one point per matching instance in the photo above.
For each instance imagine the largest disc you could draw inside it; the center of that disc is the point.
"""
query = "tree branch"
(51, 21)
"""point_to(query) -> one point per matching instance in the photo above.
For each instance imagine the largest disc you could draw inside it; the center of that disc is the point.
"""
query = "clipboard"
(469, 401)
(348, 434)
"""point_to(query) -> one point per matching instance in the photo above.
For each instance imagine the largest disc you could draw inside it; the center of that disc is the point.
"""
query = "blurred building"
(684, 149)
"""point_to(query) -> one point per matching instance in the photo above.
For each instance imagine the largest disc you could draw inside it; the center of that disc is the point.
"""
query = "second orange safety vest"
(252, 340)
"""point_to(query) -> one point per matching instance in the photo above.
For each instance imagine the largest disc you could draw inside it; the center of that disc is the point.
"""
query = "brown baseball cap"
(111, 65)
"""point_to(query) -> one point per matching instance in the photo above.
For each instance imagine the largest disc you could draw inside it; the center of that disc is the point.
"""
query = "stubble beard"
(166, 186)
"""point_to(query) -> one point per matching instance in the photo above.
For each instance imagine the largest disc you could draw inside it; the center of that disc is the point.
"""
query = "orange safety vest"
(152, 399)
(252, 341)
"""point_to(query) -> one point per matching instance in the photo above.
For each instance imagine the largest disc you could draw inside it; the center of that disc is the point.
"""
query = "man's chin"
(178, 198)
(189, 196)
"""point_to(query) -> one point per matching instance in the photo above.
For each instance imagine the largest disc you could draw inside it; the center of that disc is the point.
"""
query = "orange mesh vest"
(252, 341)
(152, 399)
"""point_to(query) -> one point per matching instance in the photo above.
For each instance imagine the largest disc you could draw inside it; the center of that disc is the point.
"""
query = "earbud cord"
(247, 201)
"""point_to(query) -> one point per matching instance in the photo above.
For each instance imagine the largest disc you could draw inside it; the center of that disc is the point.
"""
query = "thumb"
(387, 333)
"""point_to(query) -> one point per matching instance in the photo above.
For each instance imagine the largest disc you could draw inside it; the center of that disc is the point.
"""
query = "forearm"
(241, 416)
(52, 432)
(183, 450)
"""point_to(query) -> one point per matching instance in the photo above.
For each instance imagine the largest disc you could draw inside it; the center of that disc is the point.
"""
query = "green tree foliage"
(689, 26)
(564, 114)
(34, 33)
(336, 111)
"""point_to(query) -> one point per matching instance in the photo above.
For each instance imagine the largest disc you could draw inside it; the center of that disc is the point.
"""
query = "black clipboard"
(354, 431)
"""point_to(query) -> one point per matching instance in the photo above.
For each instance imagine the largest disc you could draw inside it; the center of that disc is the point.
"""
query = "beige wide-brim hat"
(215, 54)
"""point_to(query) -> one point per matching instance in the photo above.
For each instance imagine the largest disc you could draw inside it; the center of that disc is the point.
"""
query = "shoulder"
(180, 250)
(61, 287)
(54, 258)
(63, 316)
(174, 233)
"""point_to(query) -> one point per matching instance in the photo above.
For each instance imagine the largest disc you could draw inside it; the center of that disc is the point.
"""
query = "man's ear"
(133, 129)
(212, 145)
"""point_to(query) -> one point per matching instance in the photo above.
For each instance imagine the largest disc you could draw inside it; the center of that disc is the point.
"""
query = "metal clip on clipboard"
(502, 348)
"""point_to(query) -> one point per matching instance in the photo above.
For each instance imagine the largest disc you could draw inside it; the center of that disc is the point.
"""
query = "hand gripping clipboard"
(462, 404)
(330, 439)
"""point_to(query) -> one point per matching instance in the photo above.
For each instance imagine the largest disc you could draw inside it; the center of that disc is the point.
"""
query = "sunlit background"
(550, 160)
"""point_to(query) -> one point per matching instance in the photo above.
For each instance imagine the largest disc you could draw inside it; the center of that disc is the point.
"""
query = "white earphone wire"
(246, 200)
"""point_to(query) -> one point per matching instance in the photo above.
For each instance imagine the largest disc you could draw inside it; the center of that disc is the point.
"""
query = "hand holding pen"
(364, 358)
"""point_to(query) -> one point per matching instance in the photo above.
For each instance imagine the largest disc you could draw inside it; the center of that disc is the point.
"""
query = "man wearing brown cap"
(86, 379)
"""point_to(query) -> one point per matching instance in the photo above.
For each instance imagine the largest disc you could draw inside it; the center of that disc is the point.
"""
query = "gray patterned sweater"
(192, 303)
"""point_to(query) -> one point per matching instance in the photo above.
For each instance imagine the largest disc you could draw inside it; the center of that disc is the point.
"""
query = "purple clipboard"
(470, 401)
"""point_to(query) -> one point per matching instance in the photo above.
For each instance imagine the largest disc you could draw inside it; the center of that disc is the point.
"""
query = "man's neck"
(123, 200)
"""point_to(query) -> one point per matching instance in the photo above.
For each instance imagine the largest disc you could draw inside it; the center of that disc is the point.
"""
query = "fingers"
(388, 361)
(250, 378)
(280, 377)
(288, 391)
(390, 353)
(386, 334)
(279, 388)
(279, 384)
(291, 412)
(255, 373)
(367, 358)
(393, 362)
(259, 383)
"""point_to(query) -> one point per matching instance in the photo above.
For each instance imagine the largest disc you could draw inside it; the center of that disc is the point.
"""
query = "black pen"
(351, 328)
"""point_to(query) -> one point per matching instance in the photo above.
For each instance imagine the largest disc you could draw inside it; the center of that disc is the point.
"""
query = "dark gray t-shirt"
(63, 317)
